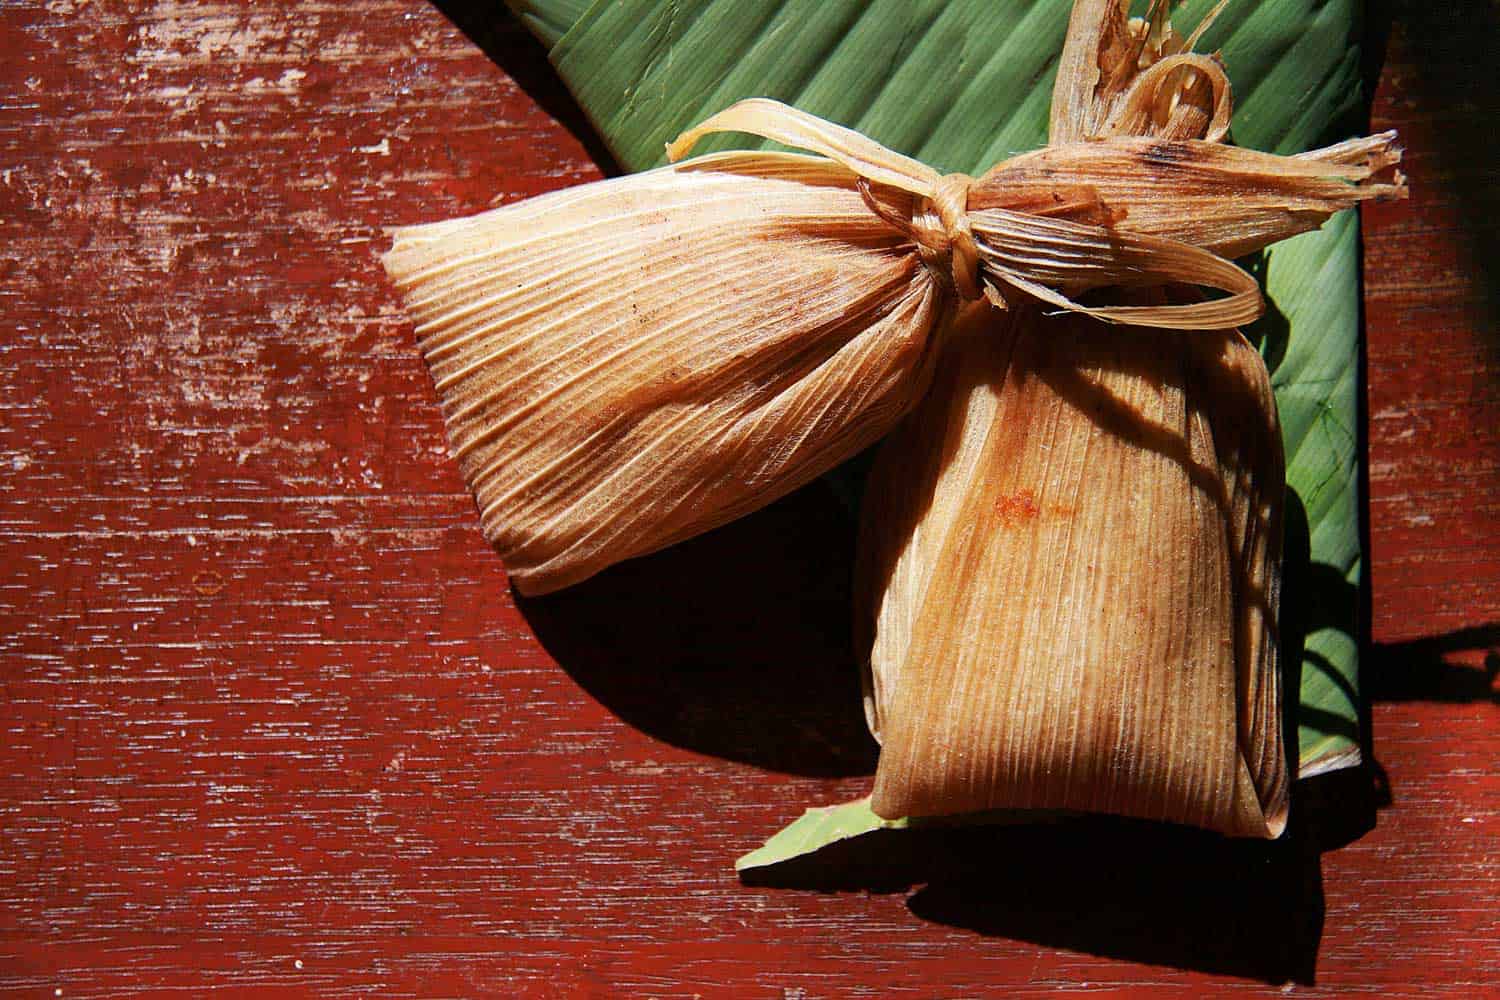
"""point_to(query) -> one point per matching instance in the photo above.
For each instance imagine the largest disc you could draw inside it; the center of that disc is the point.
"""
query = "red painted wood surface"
(273, 720)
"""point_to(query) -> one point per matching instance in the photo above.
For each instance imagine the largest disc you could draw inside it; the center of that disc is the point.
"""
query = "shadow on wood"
(1124, 889)
(1423, 669)
(736, 643)
(1117, 888)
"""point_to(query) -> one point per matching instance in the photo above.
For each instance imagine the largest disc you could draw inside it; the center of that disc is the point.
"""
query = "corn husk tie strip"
(625, 364)
(1125, 224)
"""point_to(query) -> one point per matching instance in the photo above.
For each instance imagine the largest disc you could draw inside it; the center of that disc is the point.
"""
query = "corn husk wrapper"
(626, 364)
(629, 363)
(1072, 549)
(1071, 552)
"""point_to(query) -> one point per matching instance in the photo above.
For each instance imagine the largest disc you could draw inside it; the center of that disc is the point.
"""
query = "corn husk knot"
(940, 227)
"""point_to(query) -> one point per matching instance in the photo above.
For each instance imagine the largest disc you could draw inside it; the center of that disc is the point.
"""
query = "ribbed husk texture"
(628, 363)
(1070, 557)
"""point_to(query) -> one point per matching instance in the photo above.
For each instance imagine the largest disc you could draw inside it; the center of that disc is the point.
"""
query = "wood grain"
(275, 722)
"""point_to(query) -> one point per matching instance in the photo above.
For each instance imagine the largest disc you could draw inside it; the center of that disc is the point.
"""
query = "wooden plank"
(275, 722)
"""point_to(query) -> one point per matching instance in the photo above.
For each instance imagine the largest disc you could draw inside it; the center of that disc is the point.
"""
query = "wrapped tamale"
(626, 364)
(629, 363)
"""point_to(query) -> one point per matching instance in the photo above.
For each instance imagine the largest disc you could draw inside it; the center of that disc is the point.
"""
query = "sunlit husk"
(1222, 199)
(626, 364)
(1116, 210)
(1070, 565)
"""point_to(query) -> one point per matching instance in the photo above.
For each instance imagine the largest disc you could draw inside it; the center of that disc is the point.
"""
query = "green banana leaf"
(962, 84)
(817, 828)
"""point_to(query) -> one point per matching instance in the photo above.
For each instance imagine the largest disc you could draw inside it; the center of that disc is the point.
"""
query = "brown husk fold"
(627, 364)
(1119, 76)
(1070, 559)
